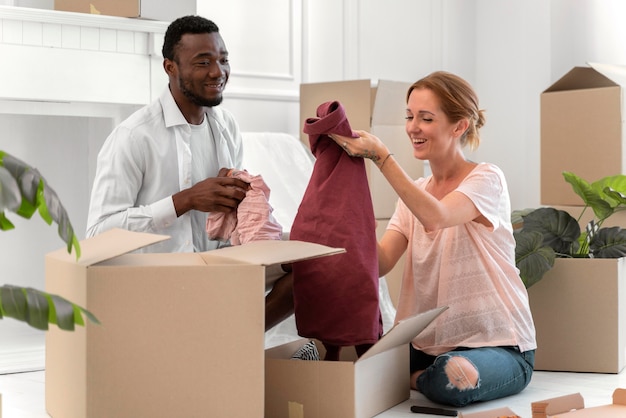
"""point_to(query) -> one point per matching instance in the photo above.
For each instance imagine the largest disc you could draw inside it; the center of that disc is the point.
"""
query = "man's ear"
(169, 66)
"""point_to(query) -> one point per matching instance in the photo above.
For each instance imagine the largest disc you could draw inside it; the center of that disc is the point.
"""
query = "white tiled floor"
(23, 394)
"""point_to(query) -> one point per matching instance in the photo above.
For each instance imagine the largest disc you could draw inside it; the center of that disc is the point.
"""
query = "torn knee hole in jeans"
(461, 373)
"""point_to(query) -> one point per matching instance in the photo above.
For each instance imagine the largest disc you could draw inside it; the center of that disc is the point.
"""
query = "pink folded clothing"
(336, 297)
(253, 219)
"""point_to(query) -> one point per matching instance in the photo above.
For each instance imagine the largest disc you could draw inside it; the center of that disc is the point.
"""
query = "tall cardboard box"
(375, 106)
(146, 9)
(579, 309)
(582, 129)
(181, 335)
(343, 389)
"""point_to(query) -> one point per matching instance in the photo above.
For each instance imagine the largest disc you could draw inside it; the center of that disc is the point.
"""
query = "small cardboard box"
(569, 142)
(145, 9)
(181, 334)
(579, 310)
(343, 389)
(378, 107)
(573, 406)
(491, 413)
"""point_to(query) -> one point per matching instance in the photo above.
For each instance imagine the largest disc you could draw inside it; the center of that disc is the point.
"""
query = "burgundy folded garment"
(336, 297)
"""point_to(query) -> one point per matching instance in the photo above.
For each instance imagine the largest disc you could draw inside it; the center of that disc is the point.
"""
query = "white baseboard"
(27, 359)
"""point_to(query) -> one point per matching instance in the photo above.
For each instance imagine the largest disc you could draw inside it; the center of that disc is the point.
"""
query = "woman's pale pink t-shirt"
(471, 269)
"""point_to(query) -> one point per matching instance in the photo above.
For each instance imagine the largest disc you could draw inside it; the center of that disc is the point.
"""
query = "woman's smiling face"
(428, 127)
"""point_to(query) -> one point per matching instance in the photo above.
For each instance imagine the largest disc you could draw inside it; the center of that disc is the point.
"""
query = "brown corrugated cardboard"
(573, 406)
(378, 107)
(569, 142)
(491, 413)
(579, 309)
(181, 335)
(343, 389)
(146, 9)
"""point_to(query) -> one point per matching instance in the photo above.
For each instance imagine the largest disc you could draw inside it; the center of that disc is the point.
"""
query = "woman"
(455, 225)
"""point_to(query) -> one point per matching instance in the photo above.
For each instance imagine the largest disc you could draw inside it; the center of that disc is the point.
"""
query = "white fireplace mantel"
(77, 64)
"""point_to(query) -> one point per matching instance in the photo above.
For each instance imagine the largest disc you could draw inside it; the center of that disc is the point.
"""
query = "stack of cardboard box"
(579, 306)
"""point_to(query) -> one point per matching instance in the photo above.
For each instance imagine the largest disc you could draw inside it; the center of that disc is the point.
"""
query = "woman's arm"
(453, 209)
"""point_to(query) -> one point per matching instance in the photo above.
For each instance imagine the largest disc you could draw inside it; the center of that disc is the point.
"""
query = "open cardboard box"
(181, 334)
(342, 389)
(377, 106)
(579, 310)
(589, 150)
(146, 9)
(573, 406)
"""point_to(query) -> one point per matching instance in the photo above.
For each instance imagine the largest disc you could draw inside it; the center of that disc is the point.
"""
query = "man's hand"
(214, 194)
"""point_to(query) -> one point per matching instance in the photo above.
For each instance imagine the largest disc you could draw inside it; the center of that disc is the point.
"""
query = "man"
(162, 169)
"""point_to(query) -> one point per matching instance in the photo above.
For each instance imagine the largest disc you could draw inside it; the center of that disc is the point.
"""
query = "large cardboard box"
(342, 389)
(181, 335)
(570, 142)
(375, 106)
(146, 9)
(573, 406)
(579, 309)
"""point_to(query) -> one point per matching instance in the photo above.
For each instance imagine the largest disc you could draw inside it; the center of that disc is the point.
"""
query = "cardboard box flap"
(491, 413)
(579, 78)
(573, 406)
(616, 73)
(390, 103)
(269, 252)
(558, 405)
(109, 244)
(403, 332)
(619, 397)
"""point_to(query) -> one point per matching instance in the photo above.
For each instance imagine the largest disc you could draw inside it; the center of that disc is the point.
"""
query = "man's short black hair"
(181, 26)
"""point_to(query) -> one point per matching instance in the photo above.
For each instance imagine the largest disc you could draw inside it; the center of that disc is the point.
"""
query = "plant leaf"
(592, 196)
(38, 308)
(13, 302)
(532, 257)
(10, 196)
(559, 229)
(517, 217)
(608, 243)
(37, 195)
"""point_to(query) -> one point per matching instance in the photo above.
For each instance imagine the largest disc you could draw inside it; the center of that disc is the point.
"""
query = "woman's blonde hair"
(458, 101)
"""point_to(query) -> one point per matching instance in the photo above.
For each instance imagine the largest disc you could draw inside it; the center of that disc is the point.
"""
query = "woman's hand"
(365, 146)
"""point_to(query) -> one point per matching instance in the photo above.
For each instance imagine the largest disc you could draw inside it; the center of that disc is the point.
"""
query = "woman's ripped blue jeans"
(467, 375)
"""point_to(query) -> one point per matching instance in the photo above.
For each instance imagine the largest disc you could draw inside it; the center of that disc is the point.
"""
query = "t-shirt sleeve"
(484, 186)
(402, 219)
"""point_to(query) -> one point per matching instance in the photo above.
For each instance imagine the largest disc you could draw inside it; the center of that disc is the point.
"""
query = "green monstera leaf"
(532, 257)
(608, 243)
(559, 229)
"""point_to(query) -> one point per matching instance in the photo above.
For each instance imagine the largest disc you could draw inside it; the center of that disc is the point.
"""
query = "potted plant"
(575, 273)
(546, 233)
(23, 190)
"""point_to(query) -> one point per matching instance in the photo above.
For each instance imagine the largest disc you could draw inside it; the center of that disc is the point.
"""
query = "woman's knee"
(461, 373)
(451, 380)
